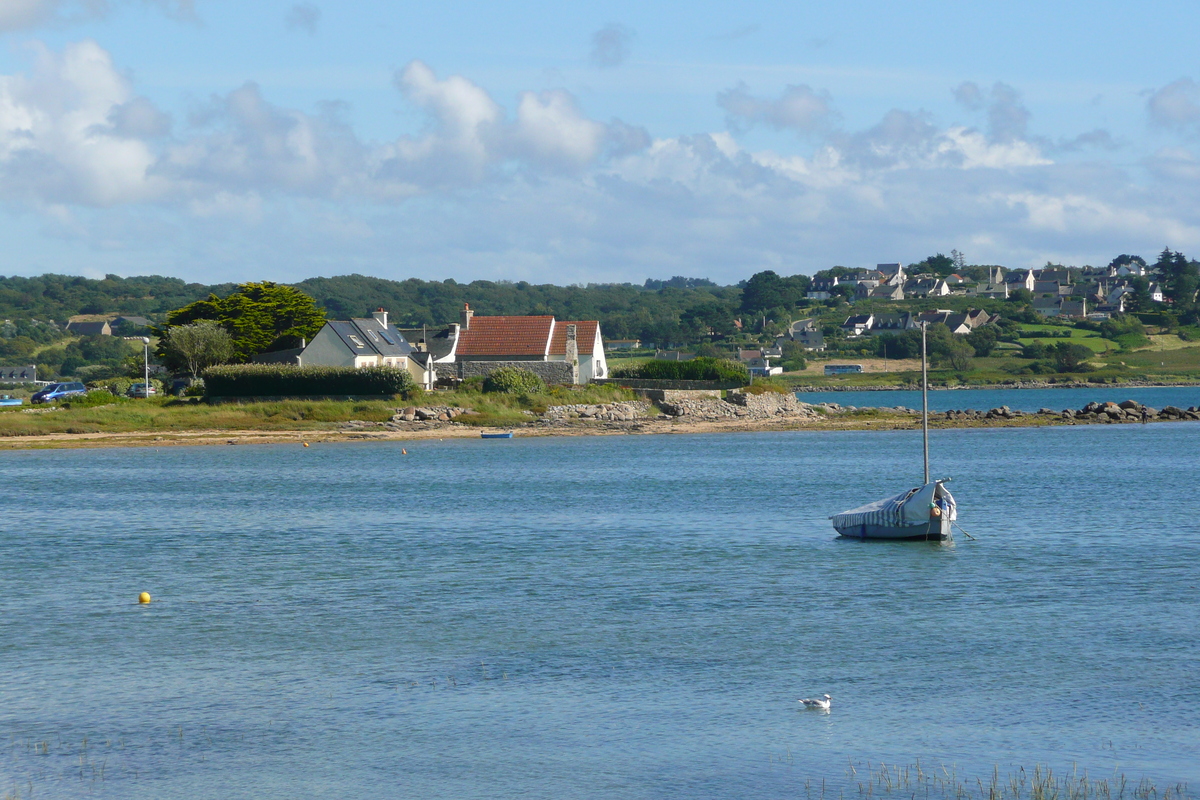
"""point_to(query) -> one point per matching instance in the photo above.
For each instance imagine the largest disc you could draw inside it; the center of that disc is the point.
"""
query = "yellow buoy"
(144, 597)
(403, 452)
(306, 444)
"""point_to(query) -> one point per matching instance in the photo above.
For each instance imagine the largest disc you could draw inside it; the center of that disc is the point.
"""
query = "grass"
(170, 414)
(1040, 783)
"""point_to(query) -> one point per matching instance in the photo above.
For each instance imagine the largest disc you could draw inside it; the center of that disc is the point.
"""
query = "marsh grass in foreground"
(171, 415)
(944, 783)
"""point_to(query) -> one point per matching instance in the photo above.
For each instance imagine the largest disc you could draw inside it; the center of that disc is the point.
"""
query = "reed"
(1039, 783)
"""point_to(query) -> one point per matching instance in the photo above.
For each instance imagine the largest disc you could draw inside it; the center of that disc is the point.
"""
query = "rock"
(1130, 404)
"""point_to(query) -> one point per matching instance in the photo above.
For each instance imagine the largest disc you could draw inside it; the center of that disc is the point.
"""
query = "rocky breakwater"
(630, 411)
(1128, 411)
(768, 405)
(411, 418)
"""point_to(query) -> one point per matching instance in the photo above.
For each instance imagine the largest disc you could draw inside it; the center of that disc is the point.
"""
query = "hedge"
(283, 380)
(698, 369)
(513, 380)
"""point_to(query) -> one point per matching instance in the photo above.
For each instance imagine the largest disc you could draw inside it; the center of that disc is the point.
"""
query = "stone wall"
(746, 406)
(549, 371)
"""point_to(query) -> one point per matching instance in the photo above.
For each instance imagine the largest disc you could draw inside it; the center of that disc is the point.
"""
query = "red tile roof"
(586, 334)
(506, 336)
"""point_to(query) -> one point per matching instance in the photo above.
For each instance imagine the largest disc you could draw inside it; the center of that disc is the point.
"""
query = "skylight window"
(374, 336)
(357, 341)
(386, 338)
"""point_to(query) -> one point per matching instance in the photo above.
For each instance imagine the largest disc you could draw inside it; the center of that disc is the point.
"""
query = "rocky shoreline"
(1131, 384)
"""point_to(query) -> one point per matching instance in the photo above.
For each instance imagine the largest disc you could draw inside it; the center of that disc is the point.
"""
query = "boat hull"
(496, 435)
(935, 530)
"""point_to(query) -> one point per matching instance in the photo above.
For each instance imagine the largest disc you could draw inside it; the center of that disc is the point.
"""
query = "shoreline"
(895, 421)
(997, 386)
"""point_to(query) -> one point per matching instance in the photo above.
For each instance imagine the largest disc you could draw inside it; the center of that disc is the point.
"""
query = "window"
(374, 336)
(386, 338)
(357, 341)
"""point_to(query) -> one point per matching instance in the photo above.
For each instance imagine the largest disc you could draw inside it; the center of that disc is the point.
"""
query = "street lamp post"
(146, 385)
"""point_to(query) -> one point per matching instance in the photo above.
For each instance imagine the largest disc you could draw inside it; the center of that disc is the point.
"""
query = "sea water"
(594, 617)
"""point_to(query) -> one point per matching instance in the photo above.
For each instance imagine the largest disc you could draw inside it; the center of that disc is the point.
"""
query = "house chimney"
(380, 316)
(467, 313)
(572, 353)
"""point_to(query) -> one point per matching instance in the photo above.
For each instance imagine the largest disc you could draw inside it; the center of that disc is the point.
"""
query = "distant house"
(1156, 293)
(101, 328)
(956, 322)
(1047, 306)
(508, 339)
(821, 288)
(995, 289)
(805, 332)
(1075, 308)
(858, 324)
(1046, 287)
(673, 355)
(893, 323)
(887, 292)
(358, 343)
(1060, 274)
(758, 363)
(893, 274)
(926, 287)
(1020, 279)
(622, 344)
(25, 374)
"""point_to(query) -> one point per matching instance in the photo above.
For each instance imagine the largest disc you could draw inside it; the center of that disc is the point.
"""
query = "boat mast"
(925, 399)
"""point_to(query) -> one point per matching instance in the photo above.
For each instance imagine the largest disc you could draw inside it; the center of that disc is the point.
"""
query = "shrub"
(698, 369)
(285, 380)
(513, 380)
(96, 397)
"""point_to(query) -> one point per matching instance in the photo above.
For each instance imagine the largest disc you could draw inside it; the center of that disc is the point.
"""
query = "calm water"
(616, 617)
(1016, 399)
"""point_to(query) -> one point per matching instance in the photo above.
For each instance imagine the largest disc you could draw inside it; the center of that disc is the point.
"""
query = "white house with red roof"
(506, 339)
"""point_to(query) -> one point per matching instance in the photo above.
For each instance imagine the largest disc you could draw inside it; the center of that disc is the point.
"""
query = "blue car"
(58, 391)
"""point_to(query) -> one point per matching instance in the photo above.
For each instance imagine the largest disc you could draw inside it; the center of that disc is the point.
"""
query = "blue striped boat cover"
(907, 508)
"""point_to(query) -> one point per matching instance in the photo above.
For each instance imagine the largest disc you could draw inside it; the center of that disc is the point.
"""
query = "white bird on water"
(820, 704)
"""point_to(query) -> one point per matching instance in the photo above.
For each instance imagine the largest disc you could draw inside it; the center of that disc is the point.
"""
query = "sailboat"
(924, 513)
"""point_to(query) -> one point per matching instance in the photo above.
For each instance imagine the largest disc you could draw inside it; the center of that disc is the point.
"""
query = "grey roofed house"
(1047, 306)
(892, 273)
(357, 343)
(25, 374)
(887, 292)
(1072, 307)
(858, 324)
(926, 286)
(1046, 287)
(1055, 274)
(438, 342)
(136, 322)
(101, 328)
(893, 323)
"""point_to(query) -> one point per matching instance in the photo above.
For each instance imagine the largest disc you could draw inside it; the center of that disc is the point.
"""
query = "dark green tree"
(259, 316)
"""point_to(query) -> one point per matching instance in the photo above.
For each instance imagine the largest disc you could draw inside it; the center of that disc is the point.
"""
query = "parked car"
(141, 390)
(58, 391)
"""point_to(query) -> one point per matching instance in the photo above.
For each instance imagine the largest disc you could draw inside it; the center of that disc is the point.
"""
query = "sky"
(221, 140)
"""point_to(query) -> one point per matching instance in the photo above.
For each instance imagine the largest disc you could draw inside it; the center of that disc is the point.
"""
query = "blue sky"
(218, 140)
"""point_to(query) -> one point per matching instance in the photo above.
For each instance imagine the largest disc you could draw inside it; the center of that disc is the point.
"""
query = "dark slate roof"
(438, 341)
(89, 328)
(375, 339)
(141, 322)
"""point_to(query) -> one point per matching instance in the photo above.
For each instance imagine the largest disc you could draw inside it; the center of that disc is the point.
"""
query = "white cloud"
(58, 140)
(25, 14)
(542, 191)
(800, 108)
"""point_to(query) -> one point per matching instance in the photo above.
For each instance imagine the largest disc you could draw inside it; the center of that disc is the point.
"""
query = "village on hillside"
(1018, 322)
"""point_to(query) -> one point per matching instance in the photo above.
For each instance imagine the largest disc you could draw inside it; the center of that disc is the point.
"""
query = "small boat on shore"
(924, 513)
(10, 401)
(505, 435)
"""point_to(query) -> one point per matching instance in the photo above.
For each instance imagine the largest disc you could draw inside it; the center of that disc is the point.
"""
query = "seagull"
(819, 704)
